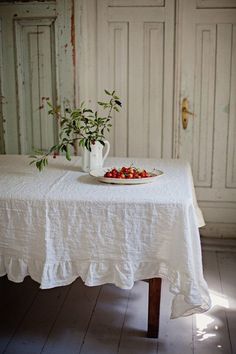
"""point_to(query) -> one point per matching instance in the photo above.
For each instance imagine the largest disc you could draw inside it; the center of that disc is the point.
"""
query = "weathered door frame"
(61, 12)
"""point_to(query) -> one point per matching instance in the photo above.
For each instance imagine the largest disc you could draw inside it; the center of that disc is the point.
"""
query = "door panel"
(135, 56)
(150, 78)
(37, 61)
(34, 60)
(133, 3)
(222, 100)
(231, 143)
(153, 87)
(2, 144)
(216, 4)
(203, 125)
(118, 44)
(207, 80)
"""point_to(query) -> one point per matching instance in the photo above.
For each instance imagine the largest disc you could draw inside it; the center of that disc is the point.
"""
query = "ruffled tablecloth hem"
(189, 296)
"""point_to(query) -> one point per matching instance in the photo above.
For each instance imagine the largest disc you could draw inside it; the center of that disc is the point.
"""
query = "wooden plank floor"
(106, 320)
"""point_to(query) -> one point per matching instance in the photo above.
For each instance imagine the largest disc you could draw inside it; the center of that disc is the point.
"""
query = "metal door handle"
(185, 113)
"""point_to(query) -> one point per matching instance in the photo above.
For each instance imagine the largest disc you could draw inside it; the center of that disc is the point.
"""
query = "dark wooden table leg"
(154, 307)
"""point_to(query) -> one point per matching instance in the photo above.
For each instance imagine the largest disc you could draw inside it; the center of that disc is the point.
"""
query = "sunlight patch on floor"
(219, 299)
(205, 322)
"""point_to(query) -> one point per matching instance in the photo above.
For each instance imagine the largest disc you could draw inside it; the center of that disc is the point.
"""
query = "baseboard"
(218, 237)
(219, 230)
(218, 244)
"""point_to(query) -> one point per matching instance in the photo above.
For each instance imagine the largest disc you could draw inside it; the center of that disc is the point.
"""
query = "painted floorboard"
(104, 332)
(68, 332)
(227, 266)
(33, 331)
(175, 334)
(211, 332)
(15, 301)
(134, 333)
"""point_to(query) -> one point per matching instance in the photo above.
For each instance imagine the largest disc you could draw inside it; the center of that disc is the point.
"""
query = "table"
(61, 223)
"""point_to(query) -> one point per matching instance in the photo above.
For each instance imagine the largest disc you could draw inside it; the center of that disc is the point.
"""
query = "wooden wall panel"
(222, 99)
(140, 55)
(86, 43)
(204, 104)
(2, 145)
(38, 59)
(216, 4)
(9, 108)
(137, 14)
(133, 3)
(231, 142)
(35, 66)
(31, 134)
(137, 141)
(118, 73)
(47, 85)
(153, 88)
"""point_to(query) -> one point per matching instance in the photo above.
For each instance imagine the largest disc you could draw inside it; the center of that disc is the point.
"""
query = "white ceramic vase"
(94, 159)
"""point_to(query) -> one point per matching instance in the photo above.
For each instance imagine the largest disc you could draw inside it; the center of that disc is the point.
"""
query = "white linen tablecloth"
(61, 223)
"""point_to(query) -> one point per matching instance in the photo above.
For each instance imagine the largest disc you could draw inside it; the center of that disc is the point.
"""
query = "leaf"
(41, 166)
(107, 92)
(87, 144)
(118, 102)
(54, 147)
(49, 104)
(68, 153)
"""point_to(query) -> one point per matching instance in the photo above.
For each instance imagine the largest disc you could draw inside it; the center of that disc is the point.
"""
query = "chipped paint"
(2, 121)
(73, 31)
(61, 60)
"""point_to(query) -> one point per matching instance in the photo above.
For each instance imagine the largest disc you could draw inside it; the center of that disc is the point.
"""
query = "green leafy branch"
(82, 124)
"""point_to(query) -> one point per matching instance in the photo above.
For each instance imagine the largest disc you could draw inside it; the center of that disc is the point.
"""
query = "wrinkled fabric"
(61, 224)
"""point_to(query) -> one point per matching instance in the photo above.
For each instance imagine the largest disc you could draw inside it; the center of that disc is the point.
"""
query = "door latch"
(185, 113)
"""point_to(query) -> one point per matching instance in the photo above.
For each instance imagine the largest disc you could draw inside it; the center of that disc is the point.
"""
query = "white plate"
(99, 175)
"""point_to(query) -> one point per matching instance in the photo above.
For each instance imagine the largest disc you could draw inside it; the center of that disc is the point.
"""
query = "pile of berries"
(127, 172)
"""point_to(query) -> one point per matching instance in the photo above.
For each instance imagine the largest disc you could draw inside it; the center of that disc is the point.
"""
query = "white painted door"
(207, 78)
(36, 60)
(129, 45)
